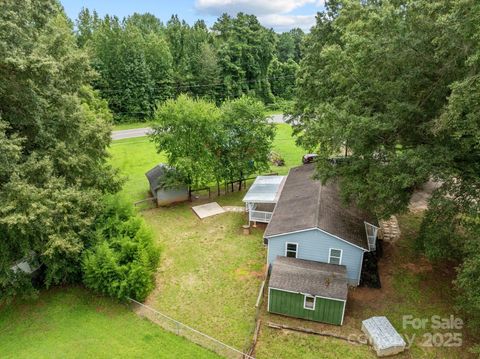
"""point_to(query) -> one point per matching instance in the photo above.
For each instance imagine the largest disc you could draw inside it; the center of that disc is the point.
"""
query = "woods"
(141, 61)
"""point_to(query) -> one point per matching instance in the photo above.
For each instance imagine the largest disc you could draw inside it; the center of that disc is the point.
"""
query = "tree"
(184, 129)
(289, 45)
(54, 132)
(123, 261)
(86, 24)
(396, 83)
(245, 49)
(134, 67)
(282, 78)
(245, 139)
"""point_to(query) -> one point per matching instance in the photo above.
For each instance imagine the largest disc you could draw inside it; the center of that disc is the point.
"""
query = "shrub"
(123, 262)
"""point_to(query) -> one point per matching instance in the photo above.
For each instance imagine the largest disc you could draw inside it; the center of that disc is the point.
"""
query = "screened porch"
(262, 197)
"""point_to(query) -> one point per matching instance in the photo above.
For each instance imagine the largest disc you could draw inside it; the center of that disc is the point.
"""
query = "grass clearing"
(72, 322)
(210, 273)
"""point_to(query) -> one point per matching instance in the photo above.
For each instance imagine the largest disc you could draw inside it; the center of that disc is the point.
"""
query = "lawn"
(135, 156)
(74, 323)
(210, 273)
(410, 286)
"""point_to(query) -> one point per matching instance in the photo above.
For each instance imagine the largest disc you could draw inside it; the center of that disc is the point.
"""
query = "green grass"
(210, 273)
(73, 323)
(135, 156)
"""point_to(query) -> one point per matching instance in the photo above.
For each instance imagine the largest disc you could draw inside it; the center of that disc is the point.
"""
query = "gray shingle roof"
(305, 203)
(309, 277)
(154, 176)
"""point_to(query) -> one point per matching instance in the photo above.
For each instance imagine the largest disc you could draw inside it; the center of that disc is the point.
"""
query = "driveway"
(140, 132)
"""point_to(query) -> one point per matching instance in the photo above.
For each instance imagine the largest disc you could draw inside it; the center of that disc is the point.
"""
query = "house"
(164, 196)
(309, 290)
(262, 197)
(310, 222)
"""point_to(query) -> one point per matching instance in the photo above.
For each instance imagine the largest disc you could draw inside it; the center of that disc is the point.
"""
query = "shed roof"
(309, 277)
(265, 189)
(154, 176)
(307, 204)
(382, 333)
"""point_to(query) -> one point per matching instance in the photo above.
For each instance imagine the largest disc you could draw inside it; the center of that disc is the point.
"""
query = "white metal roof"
(382, 333)
(265, 189)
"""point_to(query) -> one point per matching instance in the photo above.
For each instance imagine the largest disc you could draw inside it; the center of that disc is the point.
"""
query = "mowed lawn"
(210, 273)
(74, 323)
(135, 156)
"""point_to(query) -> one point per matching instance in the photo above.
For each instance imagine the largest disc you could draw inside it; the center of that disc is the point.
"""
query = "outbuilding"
(308, 290)
(164, 196)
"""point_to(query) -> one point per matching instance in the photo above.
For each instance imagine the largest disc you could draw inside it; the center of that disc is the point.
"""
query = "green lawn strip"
(281, 344)
(210, 273)
(72, 322)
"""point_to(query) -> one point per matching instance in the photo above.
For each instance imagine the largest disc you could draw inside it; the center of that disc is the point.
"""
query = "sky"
(281, 15)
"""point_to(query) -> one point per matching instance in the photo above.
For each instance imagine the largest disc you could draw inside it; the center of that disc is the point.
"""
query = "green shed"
(308, 290)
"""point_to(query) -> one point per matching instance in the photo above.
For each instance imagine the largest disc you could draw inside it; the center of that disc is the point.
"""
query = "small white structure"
(262, 197)
(208, 210)
(383, 336)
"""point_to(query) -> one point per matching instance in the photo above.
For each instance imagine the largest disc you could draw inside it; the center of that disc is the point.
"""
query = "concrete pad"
(208, 210)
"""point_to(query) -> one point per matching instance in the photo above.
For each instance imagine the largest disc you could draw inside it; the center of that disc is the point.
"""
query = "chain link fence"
(187, 332)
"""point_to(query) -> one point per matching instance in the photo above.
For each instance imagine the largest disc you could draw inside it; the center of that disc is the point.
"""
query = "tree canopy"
(54, 130)
(141, 61)
(394, 84)
(205, 143)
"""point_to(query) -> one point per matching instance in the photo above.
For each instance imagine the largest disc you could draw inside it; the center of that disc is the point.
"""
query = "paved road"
(136, 132)
(140, 132)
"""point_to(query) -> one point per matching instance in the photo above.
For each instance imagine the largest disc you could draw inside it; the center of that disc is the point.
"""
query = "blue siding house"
(310, 222)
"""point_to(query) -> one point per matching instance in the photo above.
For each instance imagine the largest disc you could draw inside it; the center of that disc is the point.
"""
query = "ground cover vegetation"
(76, 323)
(397, 84)
(141, 61)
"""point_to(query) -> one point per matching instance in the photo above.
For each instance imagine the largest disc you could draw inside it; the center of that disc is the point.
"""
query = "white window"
(309, 302)
(291, 250)
(335, 256)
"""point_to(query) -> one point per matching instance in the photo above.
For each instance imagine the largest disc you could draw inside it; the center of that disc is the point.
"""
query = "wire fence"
(187, 332)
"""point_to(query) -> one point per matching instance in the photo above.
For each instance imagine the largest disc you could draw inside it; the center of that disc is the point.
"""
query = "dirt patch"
(422, 266)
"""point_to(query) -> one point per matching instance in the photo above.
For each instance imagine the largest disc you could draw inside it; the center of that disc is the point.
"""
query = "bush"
(123, 262)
